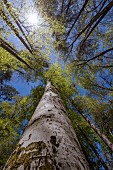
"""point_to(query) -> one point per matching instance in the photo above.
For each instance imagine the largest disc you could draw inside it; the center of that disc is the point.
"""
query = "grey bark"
(49, 142)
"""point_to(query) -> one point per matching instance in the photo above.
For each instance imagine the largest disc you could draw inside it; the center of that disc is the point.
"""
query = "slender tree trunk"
(49, 141)
(93, 148)
(100, 134)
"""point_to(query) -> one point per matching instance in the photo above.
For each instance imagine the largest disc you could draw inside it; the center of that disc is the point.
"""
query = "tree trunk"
(93, 148)
(100, 134)
(49, 141)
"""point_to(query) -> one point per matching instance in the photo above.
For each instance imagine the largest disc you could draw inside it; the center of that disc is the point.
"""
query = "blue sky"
(21, 85)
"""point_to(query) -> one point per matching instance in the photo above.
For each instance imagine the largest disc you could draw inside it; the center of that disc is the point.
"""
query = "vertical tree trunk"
(49, 141)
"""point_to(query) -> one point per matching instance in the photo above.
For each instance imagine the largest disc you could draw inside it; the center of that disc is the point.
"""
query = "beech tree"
(49, 138)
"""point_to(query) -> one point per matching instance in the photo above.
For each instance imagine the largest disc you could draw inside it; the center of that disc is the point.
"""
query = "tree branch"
(15, 30)
(98, 55)
(82, 9)
(95, 18)
(12, 51)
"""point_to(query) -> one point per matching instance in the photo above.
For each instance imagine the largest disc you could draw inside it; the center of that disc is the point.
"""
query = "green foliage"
(29, 103)
(61, 79)
(13, 119)
(7, 92)
(7, 60)
(8, 131)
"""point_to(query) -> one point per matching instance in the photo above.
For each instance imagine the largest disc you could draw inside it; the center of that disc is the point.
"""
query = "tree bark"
(49, 142)
(100, 134)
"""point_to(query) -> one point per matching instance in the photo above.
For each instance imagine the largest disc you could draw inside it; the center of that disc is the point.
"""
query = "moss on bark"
(22, 155)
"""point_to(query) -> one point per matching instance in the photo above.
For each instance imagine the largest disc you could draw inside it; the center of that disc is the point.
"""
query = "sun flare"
(33, 19)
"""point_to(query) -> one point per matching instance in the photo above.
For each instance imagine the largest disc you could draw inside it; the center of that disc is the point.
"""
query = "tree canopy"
(69, 43)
